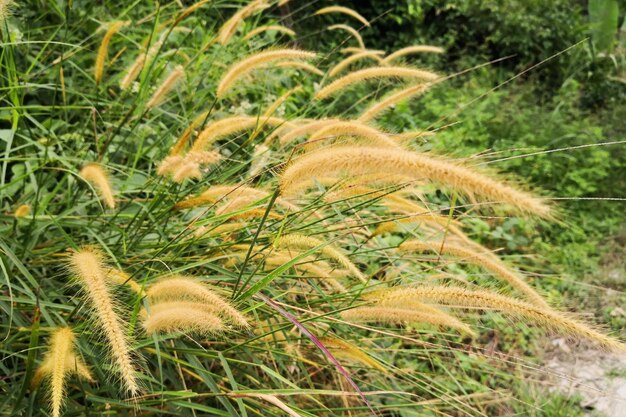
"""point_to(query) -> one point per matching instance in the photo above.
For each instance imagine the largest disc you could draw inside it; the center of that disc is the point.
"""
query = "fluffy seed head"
(181, 316)
(88, 268)
(256, 60)
(179, 288)
(374, 73)
(393, 99)
(97, 176)
(368, 160)
(166, 86)
(114, 27)
(343, 10)
(351, 352)
(22, 211)
(345, 63)
(415, 49)
(462, 297)
(404, 315)
(269, 28)
(487, 261)
(59, 362)
(351, 31)
(229, 28)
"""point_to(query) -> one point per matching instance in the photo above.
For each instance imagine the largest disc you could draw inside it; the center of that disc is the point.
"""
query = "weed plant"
(201, 218)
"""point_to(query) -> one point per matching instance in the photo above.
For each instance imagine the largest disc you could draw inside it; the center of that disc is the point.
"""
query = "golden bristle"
(374, 73)
(114, 27)
(59, 362)
(181, 168)
(269, 28)
(181, 317)
(393, 99)
(345, 63)
(256, 60)
(179, 288)
(354, 129)
(305, 242)
(368, 160)
(220, 192)
(404, 315)
(96, 175)
(487, 261)
(298, 131)
(461, 297)
(416, 49)
(89, 270)
(351, 31)
(343, 10)
(166, 86)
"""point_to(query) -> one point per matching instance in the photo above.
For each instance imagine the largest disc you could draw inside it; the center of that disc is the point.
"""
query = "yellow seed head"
(97, 176)
(343, 10)
(88, 268)
(368, 160)
(114, 27)
(374, 73)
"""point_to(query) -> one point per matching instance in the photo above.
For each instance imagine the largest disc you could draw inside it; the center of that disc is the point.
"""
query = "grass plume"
(59, 363)
(113, 28)
(88, 268)
(415, 49)
(461, 297)
(343, 10)
(269, 28)
(487, 261)
(178, 287)
(371, 74)
(382, 314)
(257, 60)
(166, 86)
(346, 62)
(97, 176)
(367, 160)
(352, 31)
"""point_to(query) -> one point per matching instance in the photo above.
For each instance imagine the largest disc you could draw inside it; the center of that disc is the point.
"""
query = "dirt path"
(598, 377)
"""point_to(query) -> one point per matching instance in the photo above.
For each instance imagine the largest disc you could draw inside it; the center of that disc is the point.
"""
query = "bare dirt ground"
(597, 377)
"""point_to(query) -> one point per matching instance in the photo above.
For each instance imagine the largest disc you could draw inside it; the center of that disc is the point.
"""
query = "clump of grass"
(234, 200)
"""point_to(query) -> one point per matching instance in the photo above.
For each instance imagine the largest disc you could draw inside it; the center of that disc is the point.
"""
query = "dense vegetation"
(225, 208)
